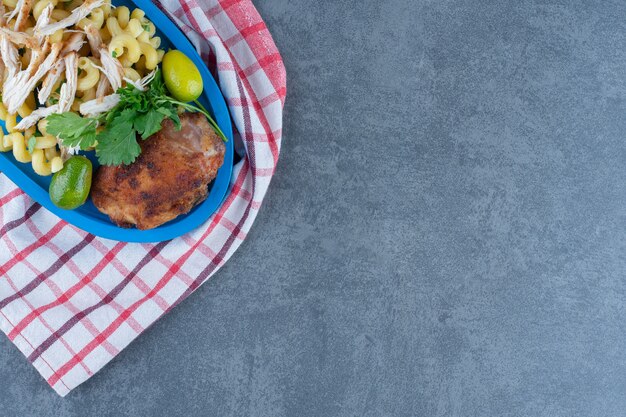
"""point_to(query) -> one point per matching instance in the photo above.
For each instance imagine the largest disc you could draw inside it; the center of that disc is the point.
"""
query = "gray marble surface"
(445, 234)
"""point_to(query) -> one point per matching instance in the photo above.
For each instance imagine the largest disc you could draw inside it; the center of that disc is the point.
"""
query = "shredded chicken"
(14, 90)
(96, 106)
(3, 12)
(99, 105)
(20, 38)
(20, 83)
(22, 16)
(67, 152)
(103, 88)
(36, 58)
(73, 43)
(44, 19)
(142, 83)
(17, 89)
(111, 67)
(94, 39)
(35, 116)
(77, 14)
(51, 79)
(112, 70)
(18, 5)
(10, 56)
(68, 89)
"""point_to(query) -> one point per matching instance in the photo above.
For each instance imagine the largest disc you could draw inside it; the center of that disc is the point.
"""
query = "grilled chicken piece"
(168, 179)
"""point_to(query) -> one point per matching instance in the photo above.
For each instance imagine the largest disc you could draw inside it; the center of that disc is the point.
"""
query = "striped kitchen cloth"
(71, 301)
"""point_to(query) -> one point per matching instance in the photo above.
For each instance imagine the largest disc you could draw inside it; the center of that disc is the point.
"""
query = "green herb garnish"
(75, 131)
(138, 113)
(32, 141)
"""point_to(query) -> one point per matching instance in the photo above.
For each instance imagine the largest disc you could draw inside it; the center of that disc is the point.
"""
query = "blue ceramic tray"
(87, 217)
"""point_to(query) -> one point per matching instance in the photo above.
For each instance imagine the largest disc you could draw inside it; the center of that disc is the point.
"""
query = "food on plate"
(70, 186)
(181, 76)
(64, 56)
(170, 176)
(137, 109)
(79, 76)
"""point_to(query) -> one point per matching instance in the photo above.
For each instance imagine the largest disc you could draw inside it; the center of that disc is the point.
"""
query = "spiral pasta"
(59, 14)
(151, 55)
(125, 44)
(89, 74)
(40, 165)
(24, 110)
(3, 112)
(95, 19)
(10, 122)
(4, 148)
(56, 36)
(45, 142)
(10, 3)
(131, 74)
(123, 15)
(17, 142)
(127, 35)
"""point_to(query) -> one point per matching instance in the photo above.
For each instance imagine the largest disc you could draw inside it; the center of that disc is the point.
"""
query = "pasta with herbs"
(66, 54)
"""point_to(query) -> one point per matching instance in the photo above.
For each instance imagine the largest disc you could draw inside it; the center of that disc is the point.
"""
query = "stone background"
(445, 234)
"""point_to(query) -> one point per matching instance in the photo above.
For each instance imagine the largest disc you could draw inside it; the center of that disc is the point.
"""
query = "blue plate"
(87, 217)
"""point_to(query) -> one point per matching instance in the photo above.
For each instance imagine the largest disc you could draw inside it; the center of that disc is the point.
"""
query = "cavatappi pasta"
(125, 35)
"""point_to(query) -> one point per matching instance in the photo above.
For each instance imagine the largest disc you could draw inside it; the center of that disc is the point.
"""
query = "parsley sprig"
(114, 133)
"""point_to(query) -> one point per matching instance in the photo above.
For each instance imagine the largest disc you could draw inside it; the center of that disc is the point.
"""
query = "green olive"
(182, 78)
(70, 186)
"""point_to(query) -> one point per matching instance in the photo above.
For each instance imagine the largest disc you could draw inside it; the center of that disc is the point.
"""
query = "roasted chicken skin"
(168, 179)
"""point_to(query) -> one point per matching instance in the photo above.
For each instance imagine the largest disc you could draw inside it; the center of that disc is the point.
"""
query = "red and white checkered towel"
(71, 301)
